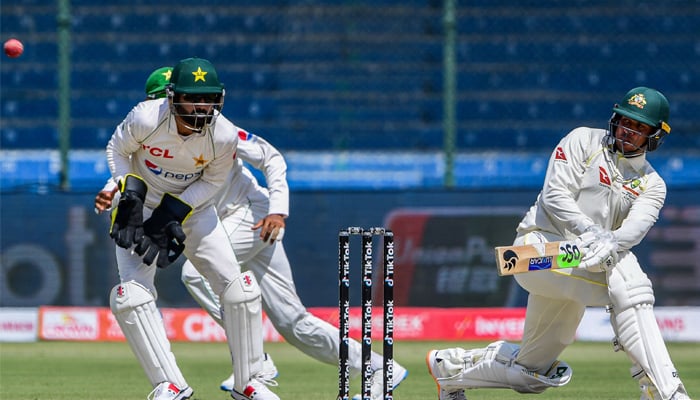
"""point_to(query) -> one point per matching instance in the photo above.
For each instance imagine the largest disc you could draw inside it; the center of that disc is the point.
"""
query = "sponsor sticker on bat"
(569, 255)
(539, 263)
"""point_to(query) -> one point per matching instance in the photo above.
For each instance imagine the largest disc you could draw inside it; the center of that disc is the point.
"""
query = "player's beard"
(197, 120)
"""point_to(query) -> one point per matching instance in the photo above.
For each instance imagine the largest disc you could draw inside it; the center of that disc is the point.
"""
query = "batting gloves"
(599, 247)
(163, 234)
(127, 219)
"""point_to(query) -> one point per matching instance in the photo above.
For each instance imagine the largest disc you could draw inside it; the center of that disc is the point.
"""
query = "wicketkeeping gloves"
(599, 247)
(163, 234)
(127, 219)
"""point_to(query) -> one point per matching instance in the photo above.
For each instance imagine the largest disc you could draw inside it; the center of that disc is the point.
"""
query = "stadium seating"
(328, 75)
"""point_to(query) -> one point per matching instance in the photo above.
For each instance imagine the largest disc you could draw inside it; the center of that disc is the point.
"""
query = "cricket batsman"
(601, 191)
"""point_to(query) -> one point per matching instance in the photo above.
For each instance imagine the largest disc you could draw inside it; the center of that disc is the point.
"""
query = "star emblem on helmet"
(199, 161)
(167, 74)
(199, 75)
(637, 100)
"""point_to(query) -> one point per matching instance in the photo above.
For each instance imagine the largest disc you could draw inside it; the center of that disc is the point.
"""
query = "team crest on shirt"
(633, 188)
(199, 161)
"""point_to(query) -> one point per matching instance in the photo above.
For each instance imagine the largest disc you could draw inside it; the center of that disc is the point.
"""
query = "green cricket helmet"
(195, 76)
(157, 81)
(647, 106)
(194, 84)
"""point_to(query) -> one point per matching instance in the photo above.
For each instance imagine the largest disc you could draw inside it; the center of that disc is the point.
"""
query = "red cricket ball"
(13, 48)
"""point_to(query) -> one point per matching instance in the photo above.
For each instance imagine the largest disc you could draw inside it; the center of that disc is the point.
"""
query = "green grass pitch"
(106, 371)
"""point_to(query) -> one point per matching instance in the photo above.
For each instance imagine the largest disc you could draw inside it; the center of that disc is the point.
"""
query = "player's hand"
(103, 200)
(163, 235)
(599, 247)
(127, 219)
(271, 228)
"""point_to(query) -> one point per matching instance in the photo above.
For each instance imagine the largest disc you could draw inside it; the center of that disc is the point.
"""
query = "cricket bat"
(512, 260)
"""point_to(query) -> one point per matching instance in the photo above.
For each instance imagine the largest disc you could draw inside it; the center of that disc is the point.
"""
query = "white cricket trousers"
(271, 268)
(206, 244)
(555, 305)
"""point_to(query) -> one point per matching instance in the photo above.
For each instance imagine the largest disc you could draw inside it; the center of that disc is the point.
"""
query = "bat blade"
(511, 260)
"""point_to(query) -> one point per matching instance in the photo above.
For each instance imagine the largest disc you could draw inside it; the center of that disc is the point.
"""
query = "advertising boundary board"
(678, 324)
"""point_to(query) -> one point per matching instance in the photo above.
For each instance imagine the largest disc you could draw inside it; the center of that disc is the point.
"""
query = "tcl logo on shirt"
(157, 151)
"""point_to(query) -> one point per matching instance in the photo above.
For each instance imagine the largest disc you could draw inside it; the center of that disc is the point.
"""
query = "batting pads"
(492, 367)
(242, 320)
(135, 310)
(632, 318)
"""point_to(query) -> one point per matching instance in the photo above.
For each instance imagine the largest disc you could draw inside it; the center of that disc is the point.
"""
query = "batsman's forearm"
(566, 213)
(639, 221)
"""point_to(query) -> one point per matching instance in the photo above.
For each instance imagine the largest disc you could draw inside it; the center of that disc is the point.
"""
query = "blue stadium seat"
(93, 22)
(39, 136)
(31, 108)
(90, 137)
(23, 79)
(26, 18)
(96, 108)
(327, 74)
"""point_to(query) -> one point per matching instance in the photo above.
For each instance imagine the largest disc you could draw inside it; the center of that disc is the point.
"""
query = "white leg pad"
(242, 318)
(494, 367)
(201, 291)
(135, 310)
(632, 318)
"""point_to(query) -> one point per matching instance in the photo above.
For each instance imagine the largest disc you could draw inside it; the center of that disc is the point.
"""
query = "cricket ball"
(13, 48)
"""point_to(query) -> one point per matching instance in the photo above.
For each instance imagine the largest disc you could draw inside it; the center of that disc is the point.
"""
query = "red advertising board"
(679, 324)
(194, 325)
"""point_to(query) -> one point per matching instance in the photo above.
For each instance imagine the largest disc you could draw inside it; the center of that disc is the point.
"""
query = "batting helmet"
(157, 81)
(649, 107)
(195, 76)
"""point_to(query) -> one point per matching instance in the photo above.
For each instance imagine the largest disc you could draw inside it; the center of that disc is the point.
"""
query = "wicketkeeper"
(600, 190)
(169, 158)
